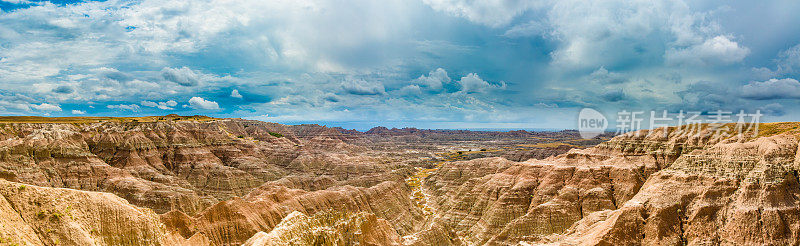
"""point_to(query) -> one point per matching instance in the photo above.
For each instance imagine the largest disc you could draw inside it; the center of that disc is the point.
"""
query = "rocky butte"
(195, 180)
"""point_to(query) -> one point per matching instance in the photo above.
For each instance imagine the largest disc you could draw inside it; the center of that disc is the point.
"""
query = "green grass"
(275, 134)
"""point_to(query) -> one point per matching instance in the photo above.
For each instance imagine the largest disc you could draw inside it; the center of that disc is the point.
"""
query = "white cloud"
(603, 76)
(168, 105)
(129, 107)
(434, 81)
(200, 103)
(529, 29)
(409, 90)
(493, 13)
(789, 60)
(362, 87)
(716, 50)
(772, 89)
(596, 33)
(17, 1)
(235, 94)
(183, 76)
(472, 83)
(46, 107)
(78, 112)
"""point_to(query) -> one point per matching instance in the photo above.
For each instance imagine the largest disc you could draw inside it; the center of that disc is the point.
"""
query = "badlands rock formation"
(31, 215)
(176, 180)
(731, 191)
(183, 165)
(661, 189)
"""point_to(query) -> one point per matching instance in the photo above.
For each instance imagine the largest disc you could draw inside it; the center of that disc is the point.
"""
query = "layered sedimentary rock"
(328, 228)
(735, 191)
(234, 221)
(32, 215)
(232, 182)
(184, 165)
(495, 200)
(661, 187)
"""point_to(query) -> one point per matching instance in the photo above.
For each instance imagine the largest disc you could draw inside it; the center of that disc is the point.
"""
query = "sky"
(510, 64)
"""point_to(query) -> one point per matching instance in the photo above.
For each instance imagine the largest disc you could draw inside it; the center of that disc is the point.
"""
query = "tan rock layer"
(183, 165)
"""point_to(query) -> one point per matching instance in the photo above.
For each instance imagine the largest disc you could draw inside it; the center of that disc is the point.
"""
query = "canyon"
(196, 180)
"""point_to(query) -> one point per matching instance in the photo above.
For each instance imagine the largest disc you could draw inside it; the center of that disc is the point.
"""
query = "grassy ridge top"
(39, 119)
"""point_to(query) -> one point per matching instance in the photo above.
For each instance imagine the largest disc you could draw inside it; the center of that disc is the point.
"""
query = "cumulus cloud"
(46, 107)
(200, 103)
(168, 105)
(434, 81)
(362, 87)
(410, 90)
(15, 103)
(491, 13)
(772, 89)
(293, 55)
(473, 83)
(716, 50)
(235, 94)
(183, 76)
(603, 76)
(129, 107)
(78, 112)
(113, 74)
(594, 33)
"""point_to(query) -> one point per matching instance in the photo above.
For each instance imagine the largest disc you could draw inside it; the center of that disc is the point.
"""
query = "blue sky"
(429, 63)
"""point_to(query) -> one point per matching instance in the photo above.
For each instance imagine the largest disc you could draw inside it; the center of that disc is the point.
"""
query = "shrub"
(275, 134)
(41, 215)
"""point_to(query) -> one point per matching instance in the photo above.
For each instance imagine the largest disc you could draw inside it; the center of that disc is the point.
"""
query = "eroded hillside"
(175, 180)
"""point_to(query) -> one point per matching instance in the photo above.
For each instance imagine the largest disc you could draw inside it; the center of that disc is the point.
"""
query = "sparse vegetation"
(41, 214)
(275, 134)
(549, 145)
(8, 241)
(56, 216)
(86, 120)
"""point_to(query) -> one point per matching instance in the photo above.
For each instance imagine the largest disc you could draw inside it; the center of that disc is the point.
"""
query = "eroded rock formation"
(233, 182)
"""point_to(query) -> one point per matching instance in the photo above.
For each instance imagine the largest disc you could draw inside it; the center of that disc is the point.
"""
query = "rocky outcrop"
(32, 215)
(537, 153)
(660, 187)
(234, 221)
(328, 228)
(736, 191)
(184, 165)
(232, 182)
(494, 200)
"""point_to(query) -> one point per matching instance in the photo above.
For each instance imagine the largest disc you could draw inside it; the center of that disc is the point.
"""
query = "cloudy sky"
(428, 63)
